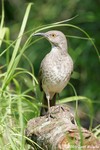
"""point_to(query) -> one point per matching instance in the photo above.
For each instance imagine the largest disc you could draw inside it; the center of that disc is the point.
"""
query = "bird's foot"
(50, 116)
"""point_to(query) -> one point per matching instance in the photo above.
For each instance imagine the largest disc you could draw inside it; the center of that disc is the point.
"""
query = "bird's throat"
(54, 49)
(58, 49)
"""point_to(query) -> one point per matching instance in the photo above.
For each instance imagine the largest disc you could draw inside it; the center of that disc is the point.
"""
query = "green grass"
(15, 104)
(19, 104)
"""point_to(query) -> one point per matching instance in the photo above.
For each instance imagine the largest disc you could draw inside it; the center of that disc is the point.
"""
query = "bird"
(55, 69)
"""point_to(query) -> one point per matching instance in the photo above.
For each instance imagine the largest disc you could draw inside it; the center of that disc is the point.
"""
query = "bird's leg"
(60, 107)
(48, 100)
(49, 111)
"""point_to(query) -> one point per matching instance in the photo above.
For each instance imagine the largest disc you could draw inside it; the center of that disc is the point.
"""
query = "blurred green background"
(86, 78)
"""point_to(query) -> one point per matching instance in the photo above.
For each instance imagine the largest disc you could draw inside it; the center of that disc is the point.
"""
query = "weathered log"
(59, 132)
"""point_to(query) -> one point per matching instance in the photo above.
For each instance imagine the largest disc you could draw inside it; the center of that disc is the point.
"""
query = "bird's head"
(56, 38)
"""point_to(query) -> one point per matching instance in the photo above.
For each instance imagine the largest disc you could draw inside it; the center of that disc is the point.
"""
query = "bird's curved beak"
(40, 34)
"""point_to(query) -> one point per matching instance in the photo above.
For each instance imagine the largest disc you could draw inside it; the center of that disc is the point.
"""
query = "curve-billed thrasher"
(55, 69)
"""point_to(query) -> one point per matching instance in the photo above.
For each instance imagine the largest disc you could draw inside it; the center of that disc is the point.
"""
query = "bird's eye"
(53, 35)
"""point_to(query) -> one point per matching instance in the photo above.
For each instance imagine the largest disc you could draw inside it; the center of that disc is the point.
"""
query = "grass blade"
(12, 65)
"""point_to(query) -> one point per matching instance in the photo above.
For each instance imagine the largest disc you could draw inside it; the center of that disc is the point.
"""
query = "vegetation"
(21, 54)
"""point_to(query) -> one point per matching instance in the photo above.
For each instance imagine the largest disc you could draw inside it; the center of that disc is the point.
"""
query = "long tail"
(44, 108)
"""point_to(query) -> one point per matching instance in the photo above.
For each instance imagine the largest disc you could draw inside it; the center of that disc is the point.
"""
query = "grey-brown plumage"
(55, 68)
